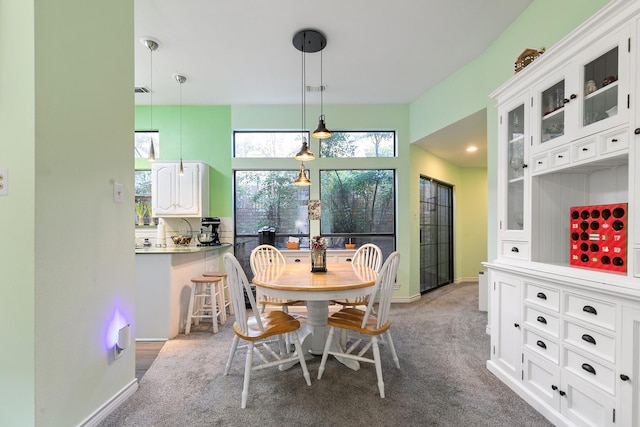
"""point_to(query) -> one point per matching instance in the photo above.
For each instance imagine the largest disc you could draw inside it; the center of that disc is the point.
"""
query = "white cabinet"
(303, 256)
(173, 194)
(565, 325)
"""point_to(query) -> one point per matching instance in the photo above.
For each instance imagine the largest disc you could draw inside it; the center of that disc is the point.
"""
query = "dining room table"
(296, 281)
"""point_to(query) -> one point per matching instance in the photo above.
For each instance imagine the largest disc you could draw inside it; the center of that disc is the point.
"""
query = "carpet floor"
(442, 380)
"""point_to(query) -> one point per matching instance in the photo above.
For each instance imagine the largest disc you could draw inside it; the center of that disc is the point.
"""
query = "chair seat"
(274, 323)
(351, 319)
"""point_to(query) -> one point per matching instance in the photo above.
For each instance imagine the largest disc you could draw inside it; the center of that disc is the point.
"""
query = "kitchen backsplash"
(184, 226)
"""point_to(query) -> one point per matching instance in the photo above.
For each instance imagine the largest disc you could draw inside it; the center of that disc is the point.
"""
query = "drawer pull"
(515, 249)
(540, 162)
(589, 339)
(541, 295)
(560, 156)
(589, 309)
(541, 344)
(349, 260)
(585, 149)
(614, 140)
(588, 368)
(297, 260)
(624, 377)
(542, 320)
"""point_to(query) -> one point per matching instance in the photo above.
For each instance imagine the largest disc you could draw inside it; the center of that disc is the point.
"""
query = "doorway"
(436, 234)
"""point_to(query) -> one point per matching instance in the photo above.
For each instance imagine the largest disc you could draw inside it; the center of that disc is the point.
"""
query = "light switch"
(4, 182)
(118, 193)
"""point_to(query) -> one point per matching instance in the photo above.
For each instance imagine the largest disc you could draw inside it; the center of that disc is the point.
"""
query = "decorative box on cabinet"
(185, 195)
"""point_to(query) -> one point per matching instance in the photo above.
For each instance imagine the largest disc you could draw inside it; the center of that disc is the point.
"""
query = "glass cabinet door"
(552, 112)
(600, 88)
(515, 168)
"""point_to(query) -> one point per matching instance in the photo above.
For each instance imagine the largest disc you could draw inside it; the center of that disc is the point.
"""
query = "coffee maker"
(209, 232)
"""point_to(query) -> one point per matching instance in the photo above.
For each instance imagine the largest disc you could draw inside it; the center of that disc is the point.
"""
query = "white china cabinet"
(565, 287)
(185, 195)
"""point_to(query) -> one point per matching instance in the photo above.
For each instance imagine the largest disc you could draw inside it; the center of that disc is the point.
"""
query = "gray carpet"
(443, 381)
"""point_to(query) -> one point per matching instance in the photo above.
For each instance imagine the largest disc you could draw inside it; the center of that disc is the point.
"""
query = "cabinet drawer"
(559, 158)
(614, 142)
(540, 163)
(344, 259)
(549, 349)
(542, 321)
(300, 258)
(542, 296)
(515, 249)
(595, 373)
(584, 150)
(592, 341)
(591, 310)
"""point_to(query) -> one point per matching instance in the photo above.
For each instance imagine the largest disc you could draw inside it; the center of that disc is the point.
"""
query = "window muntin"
(359, 144)
(266, 144)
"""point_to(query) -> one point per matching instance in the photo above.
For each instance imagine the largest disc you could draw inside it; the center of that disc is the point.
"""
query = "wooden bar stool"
(226, 293)
(206, 302)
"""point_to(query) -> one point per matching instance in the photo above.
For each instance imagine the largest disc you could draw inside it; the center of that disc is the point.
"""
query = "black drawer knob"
(589, 309)
(588, 338)
(541, 295)
(637, 131)
(514, 249)
(588, 368)
(542, 320)
(541, 344)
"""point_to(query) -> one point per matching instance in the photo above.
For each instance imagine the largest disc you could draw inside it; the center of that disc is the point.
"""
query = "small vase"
(319, 260)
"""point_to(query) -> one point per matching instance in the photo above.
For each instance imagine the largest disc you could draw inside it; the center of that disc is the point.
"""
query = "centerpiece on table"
(318, 246)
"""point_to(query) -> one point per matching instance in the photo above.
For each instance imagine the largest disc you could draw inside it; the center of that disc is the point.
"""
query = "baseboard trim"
(111, 405)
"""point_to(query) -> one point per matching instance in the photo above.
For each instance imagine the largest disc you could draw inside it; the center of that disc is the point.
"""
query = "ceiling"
(240, 52)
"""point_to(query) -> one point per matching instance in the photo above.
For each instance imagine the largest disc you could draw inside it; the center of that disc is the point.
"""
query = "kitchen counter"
(163, 287)
(180, 249)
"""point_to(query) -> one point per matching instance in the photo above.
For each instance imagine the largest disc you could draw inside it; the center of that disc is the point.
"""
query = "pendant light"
(304, 153)
(180, 79)
(152, 45)
(302, 177)
(321, 132)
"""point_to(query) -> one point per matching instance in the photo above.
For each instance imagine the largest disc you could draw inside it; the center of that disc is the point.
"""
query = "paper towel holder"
(124, 340)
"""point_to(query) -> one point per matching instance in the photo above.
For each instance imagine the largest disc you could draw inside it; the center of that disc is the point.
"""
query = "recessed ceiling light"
(472, 149)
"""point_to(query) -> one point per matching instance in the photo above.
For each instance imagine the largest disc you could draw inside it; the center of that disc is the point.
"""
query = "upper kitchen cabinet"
(185, 195)
(588, 94)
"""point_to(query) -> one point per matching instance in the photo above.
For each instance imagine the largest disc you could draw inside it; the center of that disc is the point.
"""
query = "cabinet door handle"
(589, 309)
(524, 166)
(514, 249)
(541, 344)
(637, 131)
(542, 320)
(517, 325)
(554, 387)
(588, 368)
(562, 393)
(573, 96)
(541, 295)
(588, 338)
(624, 377)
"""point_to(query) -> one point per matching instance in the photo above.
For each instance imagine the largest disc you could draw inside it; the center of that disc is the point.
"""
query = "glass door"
(436, 234)
(515, 169)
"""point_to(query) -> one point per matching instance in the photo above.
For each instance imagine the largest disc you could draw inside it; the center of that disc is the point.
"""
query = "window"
(359, 144)
(142, 185)
(358, 206)
(142, 143)
(252, 144)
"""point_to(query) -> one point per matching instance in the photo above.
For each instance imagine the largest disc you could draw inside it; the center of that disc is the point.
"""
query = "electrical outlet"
(118, 193)
(4, 182)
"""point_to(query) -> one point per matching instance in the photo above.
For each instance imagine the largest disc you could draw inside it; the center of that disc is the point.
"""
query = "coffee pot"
(208, 235)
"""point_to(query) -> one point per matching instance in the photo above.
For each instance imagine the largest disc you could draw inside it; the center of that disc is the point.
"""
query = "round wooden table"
(296, 281)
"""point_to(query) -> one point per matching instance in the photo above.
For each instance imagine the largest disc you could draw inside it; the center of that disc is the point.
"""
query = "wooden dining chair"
(259, 330)
(371, 256)
(261, 257)
(373, 328)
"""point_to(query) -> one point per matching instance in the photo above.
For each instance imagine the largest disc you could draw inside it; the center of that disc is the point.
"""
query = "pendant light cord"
(321, 86)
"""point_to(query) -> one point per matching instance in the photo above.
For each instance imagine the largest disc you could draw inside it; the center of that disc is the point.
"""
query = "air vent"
(314, 89)
(142, 89)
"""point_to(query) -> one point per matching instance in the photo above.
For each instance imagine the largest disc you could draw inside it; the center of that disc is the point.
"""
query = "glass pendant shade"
(302, 179)
(322, 132)
(152, 152)
(304, 153)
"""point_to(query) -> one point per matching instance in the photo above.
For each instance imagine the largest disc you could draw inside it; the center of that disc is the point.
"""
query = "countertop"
(180, 249)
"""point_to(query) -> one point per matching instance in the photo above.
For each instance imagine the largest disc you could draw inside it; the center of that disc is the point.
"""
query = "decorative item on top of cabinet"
(185, 195)
(527, 57)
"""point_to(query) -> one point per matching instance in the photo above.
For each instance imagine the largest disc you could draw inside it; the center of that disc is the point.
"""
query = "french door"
(436, 234)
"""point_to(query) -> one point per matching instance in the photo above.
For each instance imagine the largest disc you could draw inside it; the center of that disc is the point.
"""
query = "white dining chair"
(262, 256)
(372, 327)
(258, 330)
(371, 256)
